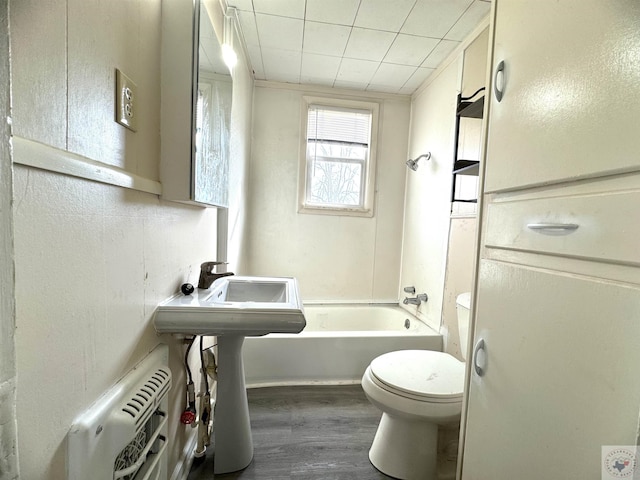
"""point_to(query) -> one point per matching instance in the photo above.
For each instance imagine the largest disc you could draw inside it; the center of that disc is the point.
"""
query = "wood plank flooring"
(306, 433)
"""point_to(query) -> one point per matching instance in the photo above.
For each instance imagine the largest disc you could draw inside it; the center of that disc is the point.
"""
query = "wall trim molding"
(337, 92)
(45, 157)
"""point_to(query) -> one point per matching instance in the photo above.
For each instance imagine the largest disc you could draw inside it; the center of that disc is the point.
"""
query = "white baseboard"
(181, 471)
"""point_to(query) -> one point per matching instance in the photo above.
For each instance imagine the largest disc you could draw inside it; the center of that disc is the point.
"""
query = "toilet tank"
(463, 307)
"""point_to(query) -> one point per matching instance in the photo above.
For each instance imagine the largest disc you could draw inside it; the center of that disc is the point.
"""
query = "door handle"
(498, 81)
(480, 358)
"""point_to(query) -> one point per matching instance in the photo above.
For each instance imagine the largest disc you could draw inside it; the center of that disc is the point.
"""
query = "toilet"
(416, 390)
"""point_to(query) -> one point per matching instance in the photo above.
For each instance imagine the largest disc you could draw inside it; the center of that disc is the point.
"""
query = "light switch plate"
(126, 101)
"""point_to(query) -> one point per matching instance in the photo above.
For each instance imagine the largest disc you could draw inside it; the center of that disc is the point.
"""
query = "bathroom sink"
(233, 308)
(235, 305)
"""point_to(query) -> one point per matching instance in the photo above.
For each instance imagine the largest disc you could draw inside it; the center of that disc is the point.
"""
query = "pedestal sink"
(231, 309)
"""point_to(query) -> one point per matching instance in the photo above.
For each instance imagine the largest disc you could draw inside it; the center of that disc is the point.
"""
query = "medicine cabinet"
(196, 91)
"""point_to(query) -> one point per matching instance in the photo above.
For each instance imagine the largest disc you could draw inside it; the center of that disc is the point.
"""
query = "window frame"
(369, 174)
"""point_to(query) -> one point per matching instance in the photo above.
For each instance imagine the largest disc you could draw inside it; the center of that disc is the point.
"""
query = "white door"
(571, 91)
(562, 376)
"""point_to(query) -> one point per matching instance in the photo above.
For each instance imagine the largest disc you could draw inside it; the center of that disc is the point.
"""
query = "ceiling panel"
(242, 4)
(249, 29)
(282, 65)
(341, 12)
(358, 71)
(419, 76)
(279, 32)
(440, 53)
(434, 18)
(366, 44)
(469, 20)
(375, 45)
(284, 8)
(410, 49)
(321, 68)
(255, 54)
(392, 75)
(383, 14)
(325, 39)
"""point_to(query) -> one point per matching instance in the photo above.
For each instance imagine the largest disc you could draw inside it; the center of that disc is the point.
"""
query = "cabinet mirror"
(196, 104)
(212, 116)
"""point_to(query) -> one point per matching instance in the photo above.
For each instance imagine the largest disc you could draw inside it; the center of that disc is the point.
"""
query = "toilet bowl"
(416, 390)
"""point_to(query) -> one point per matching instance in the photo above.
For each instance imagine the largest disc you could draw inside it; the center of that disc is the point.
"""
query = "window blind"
(335, 125)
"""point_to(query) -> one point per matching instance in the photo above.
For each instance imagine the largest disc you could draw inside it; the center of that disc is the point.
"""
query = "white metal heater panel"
(132, 414)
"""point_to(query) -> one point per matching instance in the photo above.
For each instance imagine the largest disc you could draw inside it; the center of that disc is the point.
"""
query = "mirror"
(195, 104)
(212, 116)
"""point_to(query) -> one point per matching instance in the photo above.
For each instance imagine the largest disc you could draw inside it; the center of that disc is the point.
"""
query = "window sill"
(336, 211)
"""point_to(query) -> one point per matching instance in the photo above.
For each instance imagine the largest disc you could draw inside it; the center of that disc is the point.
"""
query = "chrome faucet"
(207, 277)
(416, 300)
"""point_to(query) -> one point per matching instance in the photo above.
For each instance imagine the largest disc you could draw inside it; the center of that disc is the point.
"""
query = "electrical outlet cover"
(126, 101)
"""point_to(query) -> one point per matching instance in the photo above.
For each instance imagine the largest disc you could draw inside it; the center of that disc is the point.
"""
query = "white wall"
(429, 256)
(333, 257)
(92, 259)
(428, 195)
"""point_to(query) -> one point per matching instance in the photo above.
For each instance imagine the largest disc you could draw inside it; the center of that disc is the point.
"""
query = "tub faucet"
(207, 277)
(415, 300)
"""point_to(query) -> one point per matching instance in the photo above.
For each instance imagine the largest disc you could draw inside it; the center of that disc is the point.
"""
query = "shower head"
(413, 164)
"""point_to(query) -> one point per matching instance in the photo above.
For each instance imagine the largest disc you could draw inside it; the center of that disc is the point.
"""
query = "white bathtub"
(336, 346)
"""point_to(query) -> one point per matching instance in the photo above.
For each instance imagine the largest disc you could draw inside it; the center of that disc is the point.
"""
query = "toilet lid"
(424, 373)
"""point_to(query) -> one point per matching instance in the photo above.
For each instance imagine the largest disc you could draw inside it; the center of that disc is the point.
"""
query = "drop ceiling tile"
(203, 59)
(246, 5)
(255, 55)
(281, 65)
(469, 20)
(319, 66)
(206, 29)
(406, 91)
(279, 32)
(434, 18)
(211, 59)
(248, 27)
(325, 39)
(383, 14)
(356, 71)
(392, 75)
(365, 44)
(442, 50)
(418, 78)
(410, 49)
(341, 12)
(283, 8)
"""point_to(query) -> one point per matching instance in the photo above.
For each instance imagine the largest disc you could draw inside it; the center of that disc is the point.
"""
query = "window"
(337, 171)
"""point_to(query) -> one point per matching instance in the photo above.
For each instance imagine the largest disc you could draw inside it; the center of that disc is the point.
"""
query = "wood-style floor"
(306, 433)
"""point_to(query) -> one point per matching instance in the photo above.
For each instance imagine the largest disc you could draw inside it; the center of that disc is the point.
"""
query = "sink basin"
(235, 305)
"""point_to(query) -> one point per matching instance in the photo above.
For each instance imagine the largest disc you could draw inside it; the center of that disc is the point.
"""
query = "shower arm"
(413, 164)
(424, 155)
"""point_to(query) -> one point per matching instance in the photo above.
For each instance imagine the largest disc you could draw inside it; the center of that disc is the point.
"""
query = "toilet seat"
(421, 375)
